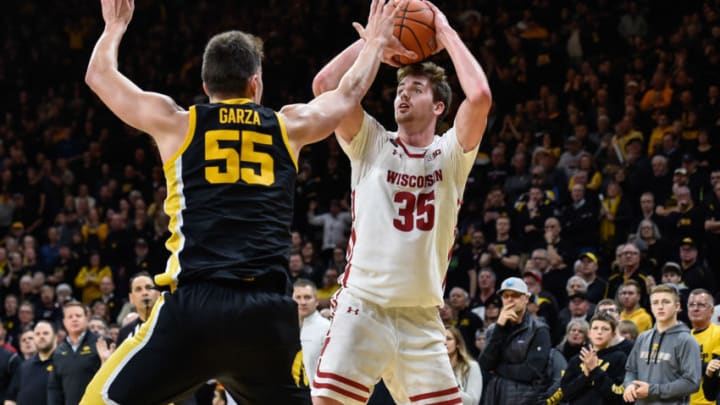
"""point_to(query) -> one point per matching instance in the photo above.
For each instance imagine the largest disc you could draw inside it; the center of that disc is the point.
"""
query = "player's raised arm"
(307, 123)
(156, 114)
(471, 117)
(330, 75)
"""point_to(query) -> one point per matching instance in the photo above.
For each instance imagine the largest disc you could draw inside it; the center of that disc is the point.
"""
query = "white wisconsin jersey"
(405, 203)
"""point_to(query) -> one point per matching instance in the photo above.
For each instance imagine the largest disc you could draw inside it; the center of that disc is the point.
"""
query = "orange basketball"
(415, 28)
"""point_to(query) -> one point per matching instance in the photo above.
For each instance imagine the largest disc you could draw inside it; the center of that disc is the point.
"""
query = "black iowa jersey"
(230, 194)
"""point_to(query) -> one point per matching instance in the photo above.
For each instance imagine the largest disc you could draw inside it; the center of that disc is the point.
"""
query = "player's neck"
(417, 140)
(417, 136)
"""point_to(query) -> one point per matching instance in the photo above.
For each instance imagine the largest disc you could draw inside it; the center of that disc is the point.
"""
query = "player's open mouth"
(403, 107)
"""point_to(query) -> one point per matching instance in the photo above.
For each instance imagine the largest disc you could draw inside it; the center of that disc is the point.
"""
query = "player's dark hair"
(230, 59)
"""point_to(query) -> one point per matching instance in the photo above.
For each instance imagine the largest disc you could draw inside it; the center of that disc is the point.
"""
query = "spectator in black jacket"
(595, 375)
(29, 384)
(517, 350)
(76, 359)
(9, 362)
(580, 219)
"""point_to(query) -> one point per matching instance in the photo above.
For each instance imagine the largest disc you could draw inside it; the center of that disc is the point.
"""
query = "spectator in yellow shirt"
(88, 279)
(629, 298)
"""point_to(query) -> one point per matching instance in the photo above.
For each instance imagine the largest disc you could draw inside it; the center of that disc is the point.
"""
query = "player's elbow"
(92, 77)
(480, 97)
(321, 83)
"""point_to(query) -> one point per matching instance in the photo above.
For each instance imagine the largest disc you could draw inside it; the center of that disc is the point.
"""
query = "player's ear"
(205, 89)
(254, 87)
(439, 108)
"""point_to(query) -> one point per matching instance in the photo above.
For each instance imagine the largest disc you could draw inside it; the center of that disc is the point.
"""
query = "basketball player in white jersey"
(407, 188)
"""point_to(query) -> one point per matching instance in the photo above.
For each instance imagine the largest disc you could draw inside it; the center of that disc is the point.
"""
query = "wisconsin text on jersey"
(238, 116)
(411, 180)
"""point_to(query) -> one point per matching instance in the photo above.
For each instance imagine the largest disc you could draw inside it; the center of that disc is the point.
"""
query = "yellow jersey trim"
(188, 138)
(234, 101)
(286, 140)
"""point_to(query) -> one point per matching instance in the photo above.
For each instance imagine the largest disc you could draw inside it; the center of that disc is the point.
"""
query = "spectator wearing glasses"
(517, 350)
(610, 307)
(707, 334)
(628, 269)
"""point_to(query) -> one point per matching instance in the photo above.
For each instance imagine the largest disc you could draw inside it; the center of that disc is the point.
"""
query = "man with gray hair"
(628, 268)
(660, 184)
(63, 293)
(700, 309)
(553, 279)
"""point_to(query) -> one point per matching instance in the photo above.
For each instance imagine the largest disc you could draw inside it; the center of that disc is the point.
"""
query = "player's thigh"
(152, 367)
(269, 369)
(422, 372)
(249, 390)
(359, 347)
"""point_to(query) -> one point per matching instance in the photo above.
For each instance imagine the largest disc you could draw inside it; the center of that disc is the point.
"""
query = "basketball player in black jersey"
(230, 167)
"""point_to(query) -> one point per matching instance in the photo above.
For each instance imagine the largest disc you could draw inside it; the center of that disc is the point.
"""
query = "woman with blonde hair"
(467, 370)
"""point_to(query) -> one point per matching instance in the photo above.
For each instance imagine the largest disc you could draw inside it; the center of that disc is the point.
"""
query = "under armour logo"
(351, 310)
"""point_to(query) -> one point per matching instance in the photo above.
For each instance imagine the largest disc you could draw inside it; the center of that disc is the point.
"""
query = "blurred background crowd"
(600, 163)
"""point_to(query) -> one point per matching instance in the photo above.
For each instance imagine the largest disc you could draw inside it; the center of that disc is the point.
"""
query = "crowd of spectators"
(605, 130)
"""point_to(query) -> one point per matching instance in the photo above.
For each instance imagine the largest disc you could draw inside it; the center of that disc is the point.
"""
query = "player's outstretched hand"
(380, 26)
(117, 12)
(441, 24)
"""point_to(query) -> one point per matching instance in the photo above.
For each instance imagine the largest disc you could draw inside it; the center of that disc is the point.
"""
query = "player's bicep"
(149, 112)
(470, 123)
(313, 122)
(351, 124)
